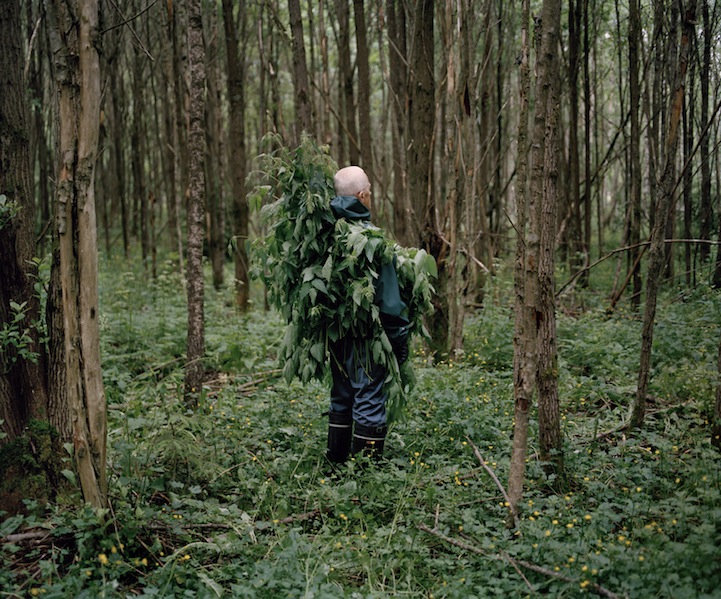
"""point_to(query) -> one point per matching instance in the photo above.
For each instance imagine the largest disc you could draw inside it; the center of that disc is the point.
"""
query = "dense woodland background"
(570, 146)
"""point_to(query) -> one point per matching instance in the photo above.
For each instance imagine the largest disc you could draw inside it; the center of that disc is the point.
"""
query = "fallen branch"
(488, 469)
(19, 537)
(597, 588)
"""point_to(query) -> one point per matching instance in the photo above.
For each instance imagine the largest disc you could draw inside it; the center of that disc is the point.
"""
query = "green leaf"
(327, 269)
(318, 351)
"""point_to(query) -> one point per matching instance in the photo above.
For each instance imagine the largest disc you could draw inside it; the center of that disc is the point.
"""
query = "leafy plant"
(9, 209)
(15, 338)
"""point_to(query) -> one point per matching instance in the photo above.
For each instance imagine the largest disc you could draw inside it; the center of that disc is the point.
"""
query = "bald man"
(357, 416)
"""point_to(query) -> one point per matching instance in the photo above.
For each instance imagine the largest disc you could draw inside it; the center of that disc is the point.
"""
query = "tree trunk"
(543, 187)
(706, 208)
(236, 143)
(118, 156)
(486, 215)
(194, 370)
(716, 422)
(23, 392)
(364, 90)
(688, 113)
(398, 59)
(325, 105)
(458, 156)
(588, 175)
(349, 146)
(179, 24)
(214, 131)
(716, 276)
(525, 279)
(139, 155)
(303, 106)
(170, 148)
(421, 115)
(75, 41)
(634, 170)
(662, 206)
(574, 235)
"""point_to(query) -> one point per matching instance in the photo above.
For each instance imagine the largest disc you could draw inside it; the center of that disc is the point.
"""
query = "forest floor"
(235, 499)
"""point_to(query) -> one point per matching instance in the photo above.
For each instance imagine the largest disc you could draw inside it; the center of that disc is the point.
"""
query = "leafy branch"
(320, 272)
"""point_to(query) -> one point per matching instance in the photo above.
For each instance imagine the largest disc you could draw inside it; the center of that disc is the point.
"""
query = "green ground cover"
(236, 500)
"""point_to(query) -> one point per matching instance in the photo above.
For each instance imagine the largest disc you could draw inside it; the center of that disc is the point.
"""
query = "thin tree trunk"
(634, 170)
(138, 155)
(543, 182)
(688, 113)
(194, 370)
(325, 104)
(349, 147)
(663, 204)
(421, 125)
(303, 105)
(116, 91)
(397, 59)
(364, 90)
(170, 147)
(236, 141)
(75, 31)
(525, 278)
(706, 208)
(588, 175)
(178, 24)
(214, 156)
(574, 233)
(487, 213)
(716, 422)
(461, 131)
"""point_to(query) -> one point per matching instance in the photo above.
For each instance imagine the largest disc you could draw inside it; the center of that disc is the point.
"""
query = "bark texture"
(303, 105)
(22, 384)
(525, 279)
(237, 152)
(545, 199)
(194, 370)
(75, 40)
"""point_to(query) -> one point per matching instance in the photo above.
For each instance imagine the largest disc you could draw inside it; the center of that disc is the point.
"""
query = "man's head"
(353, 181)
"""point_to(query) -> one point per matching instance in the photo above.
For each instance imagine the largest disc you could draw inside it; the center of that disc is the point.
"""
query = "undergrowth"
(235, 499)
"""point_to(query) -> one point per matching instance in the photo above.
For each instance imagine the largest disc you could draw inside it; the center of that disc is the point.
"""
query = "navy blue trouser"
(357, 388)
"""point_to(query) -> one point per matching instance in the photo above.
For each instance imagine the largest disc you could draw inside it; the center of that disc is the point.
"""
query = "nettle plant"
(320, 271)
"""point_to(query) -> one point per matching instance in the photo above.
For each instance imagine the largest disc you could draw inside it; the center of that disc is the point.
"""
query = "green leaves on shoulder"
(416, 270)
(321, 272)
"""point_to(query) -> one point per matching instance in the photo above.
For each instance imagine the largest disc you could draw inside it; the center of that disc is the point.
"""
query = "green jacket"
(393, 310)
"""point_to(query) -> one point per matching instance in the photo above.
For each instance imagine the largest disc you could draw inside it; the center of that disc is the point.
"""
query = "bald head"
(353, 181)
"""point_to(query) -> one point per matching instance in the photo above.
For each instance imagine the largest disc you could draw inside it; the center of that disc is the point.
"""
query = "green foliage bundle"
(320, 272)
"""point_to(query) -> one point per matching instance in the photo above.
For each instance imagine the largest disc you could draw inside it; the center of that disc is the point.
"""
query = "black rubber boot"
(340, 433)
(369, 440)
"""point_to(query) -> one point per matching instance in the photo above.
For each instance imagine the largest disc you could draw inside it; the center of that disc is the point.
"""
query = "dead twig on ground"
(592, 586)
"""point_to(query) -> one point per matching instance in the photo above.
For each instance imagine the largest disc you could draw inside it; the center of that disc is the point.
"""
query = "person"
(357, 416)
